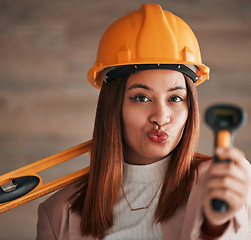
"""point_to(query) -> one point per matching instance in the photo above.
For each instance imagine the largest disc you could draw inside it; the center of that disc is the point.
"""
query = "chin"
(159, 150)
(157, 155)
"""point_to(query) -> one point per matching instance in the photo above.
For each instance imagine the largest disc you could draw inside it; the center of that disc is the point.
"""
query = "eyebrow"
(138, 85)
(177, 88)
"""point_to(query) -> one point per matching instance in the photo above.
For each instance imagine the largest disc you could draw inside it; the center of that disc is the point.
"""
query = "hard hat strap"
(128, 69)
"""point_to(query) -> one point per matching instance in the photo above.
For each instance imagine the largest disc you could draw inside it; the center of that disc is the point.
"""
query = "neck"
(142, 161)
(135, 159)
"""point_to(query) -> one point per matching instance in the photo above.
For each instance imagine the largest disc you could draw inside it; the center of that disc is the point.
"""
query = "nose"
(160, 115)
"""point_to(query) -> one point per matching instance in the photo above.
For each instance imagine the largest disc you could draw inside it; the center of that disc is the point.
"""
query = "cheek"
(127, 121)
(180, 121)
(133, 123)
(184, 118)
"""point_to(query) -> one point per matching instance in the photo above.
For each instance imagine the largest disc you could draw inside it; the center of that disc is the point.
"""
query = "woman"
(146, 181)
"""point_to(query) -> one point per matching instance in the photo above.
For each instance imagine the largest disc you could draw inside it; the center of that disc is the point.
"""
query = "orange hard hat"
(148, 38)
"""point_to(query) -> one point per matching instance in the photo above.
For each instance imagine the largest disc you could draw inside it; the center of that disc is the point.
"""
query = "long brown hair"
(96, 199)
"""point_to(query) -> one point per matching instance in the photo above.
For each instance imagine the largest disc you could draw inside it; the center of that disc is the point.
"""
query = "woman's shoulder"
(55, 216)
(62, 198)
(202, 163)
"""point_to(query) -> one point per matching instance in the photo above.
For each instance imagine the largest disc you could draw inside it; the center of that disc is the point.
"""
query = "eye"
(140, 98)
(176, 99)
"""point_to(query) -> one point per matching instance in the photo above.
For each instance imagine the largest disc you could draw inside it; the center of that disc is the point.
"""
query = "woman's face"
(154, 114)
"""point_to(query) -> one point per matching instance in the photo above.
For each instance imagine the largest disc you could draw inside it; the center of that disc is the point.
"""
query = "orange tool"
(224, 120)
(24, 184)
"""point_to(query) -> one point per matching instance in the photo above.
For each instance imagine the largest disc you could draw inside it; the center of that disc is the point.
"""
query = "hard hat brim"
(128, 69)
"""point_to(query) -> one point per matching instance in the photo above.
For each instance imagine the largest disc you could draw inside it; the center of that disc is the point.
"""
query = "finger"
(233, 154)
(224, 170)
(235, 201)
(228, 184)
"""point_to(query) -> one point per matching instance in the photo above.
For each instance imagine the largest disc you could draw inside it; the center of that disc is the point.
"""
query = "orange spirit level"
(24, 184)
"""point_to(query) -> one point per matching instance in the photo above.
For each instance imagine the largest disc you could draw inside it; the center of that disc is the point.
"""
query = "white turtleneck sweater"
(140, 183)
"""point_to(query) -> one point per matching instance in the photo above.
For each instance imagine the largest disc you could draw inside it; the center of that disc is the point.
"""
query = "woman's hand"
(228, 182)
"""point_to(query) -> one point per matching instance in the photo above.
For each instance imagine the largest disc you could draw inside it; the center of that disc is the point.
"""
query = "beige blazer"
(56, 221)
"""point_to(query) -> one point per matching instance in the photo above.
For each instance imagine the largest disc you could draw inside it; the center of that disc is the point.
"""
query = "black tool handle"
(23, 185)
(217, 204)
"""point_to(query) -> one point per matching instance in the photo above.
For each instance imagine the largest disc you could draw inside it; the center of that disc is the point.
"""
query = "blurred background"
(46, 103)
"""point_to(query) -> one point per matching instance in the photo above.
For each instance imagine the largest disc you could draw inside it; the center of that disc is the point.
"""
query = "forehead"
(157, 78)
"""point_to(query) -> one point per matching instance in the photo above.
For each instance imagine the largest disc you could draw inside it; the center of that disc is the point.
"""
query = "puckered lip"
(157, 135)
